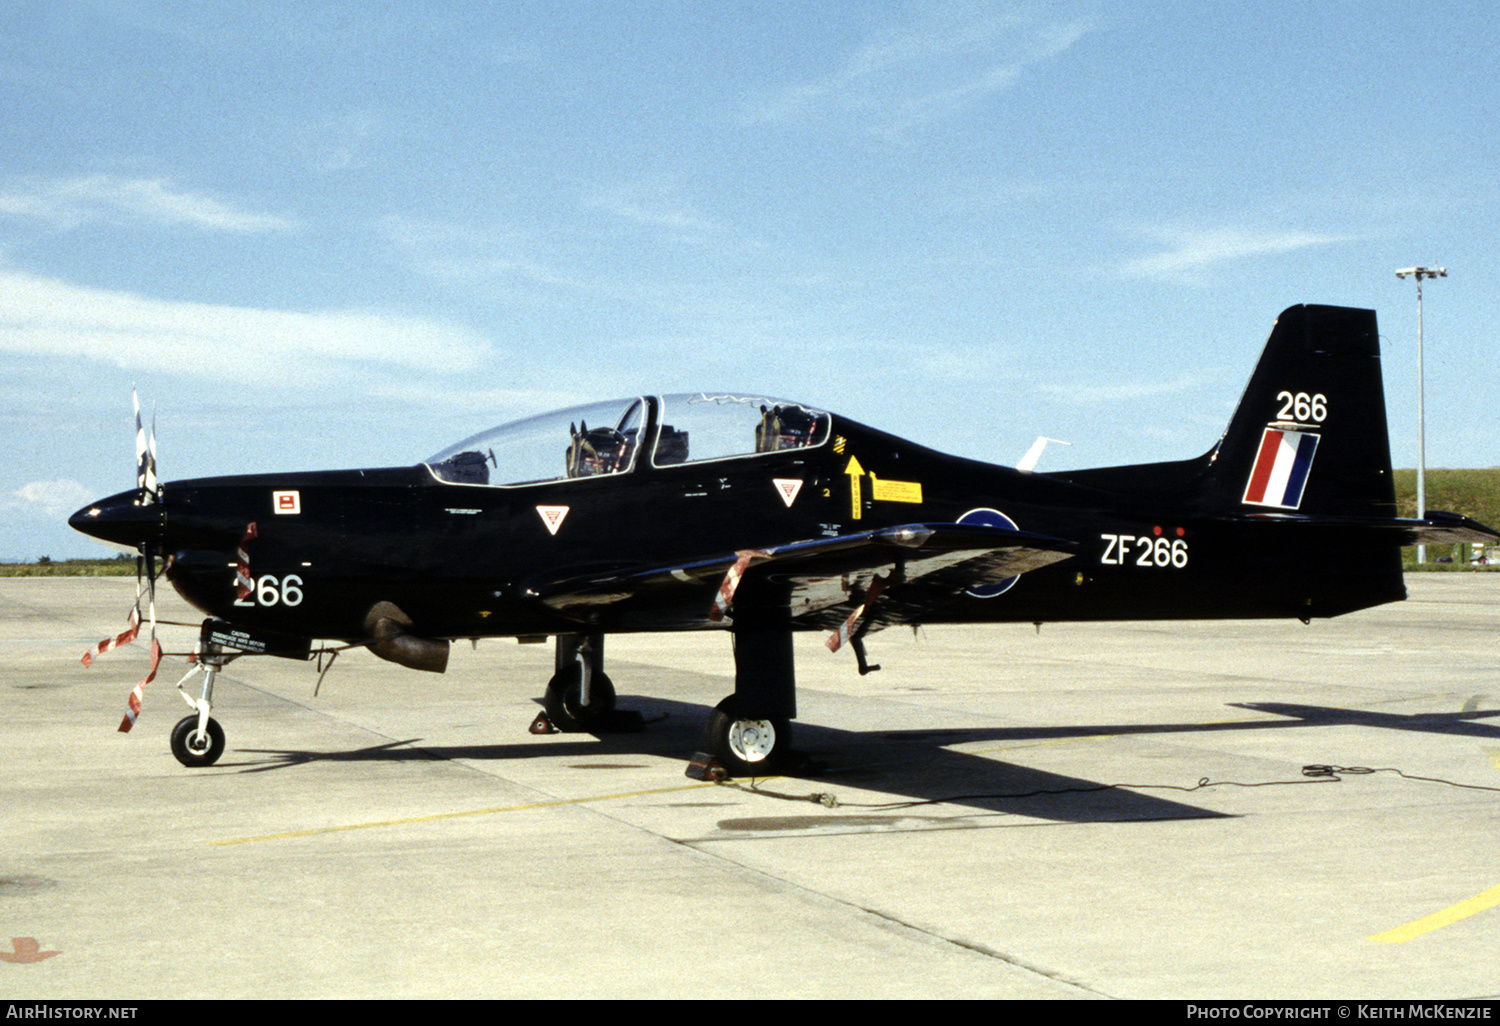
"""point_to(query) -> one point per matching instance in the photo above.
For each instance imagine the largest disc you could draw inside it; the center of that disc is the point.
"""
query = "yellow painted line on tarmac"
(436, 816)
(1447, 917)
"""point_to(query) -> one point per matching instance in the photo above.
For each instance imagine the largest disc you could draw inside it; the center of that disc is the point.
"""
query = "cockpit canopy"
(607, 438)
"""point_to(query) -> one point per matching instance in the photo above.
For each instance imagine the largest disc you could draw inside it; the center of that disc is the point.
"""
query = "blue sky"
(338, 234)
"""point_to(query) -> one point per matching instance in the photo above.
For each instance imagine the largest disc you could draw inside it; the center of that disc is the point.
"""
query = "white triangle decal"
(552, 516)
(788, 489)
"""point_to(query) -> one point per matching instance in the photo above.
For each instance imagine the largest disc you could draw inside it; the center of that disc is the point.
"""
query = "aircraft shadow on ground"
(909, 765)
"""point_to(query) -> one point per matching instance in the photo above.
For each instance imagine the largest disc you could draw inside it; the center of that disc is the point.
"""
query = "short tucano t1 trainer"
(761, 517)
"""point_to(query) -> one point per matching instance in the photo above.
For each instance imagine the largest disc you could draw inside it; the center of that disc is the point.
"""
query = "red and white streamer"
(243, 585)
(125, 637)
(731, 583)
(137, 693)
(841, 637)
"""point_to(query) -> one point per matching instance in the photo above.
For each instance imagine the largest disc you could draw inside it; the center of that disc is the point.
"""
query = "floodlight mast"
(1419, 273)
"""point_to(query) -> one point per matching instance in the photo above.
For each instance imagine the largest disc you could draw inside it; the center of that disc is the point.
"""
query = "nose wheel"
(194, 747)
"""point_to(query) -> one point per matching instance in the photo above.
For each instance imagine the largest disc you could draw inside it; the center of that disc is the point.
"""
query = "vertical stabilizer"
(1309, 435)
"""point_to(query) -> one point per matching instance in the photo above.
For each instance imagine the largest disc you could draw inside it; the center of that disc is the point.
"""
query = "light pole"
(1419, 273)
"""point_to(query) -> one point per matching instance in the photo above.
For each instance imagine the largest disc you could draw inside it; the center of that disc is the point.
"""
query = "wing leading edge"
(890, 576)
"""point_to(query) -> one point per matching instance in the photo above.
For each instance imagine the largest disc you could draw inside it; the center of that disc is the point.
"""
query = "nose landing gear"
(198, 740)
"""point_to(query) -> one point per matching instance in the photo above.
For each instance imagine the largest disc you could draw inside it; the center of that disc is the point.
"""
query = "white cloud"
(344, 141)
(67, 203)
(51, 499)
(1085, 395)
(932, 69)
(1191, 250)
(46, 317)
(471, 254)
(661, 212)
(936, 103)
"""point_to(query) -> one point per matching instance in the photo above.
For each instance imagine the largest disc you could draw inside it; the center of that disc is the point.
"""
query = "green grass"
(120, 566)
(1474, 493)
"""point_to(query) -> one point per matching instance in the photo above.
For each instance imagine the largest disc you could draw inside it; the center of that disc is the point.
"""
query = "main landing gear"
(580, 697)
(747, 747)
(749, 733)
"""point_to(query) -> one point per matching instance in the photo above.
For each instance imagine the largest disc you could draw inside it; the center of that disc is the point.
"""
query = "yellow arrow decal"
(856, 496)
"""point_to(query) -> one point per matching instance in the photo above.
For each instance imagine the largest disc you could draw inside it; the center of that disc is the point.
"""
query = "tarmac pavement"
(1092, 811)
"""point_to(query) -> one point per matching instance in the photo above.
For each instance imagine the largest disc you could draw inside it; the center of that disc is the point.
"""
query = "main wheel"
(564, 701)
(194, 749)
(746, 747)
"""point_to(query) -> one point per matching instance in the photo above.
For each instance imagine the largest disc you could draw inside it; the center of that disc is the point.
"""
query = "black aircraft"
(761, 517)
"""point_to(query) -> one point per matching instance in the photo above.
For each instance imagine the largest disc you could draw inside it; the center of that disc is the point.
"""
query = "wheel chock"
(542, 725)
(703, 766)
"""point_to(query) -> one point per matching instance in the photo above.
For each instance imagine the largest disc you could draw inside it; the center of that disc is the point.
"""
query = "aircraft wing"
(816, 583)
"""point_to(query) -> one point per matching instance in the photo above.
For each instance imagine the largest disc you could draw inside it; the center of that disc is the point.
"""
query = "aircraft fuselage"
(462, 560)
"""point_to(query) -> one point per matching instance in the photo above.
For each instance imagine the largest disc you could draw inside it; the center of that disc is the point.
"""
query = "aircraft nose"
(120, 521)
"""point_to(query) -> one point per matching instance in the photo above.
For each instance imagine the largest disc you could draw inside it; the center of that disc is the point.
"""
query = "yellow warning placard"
(895, 491)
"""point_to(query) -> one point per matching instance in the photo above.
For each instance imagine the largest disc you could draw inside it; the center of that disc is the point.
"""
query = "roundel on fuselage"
(990, 518)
